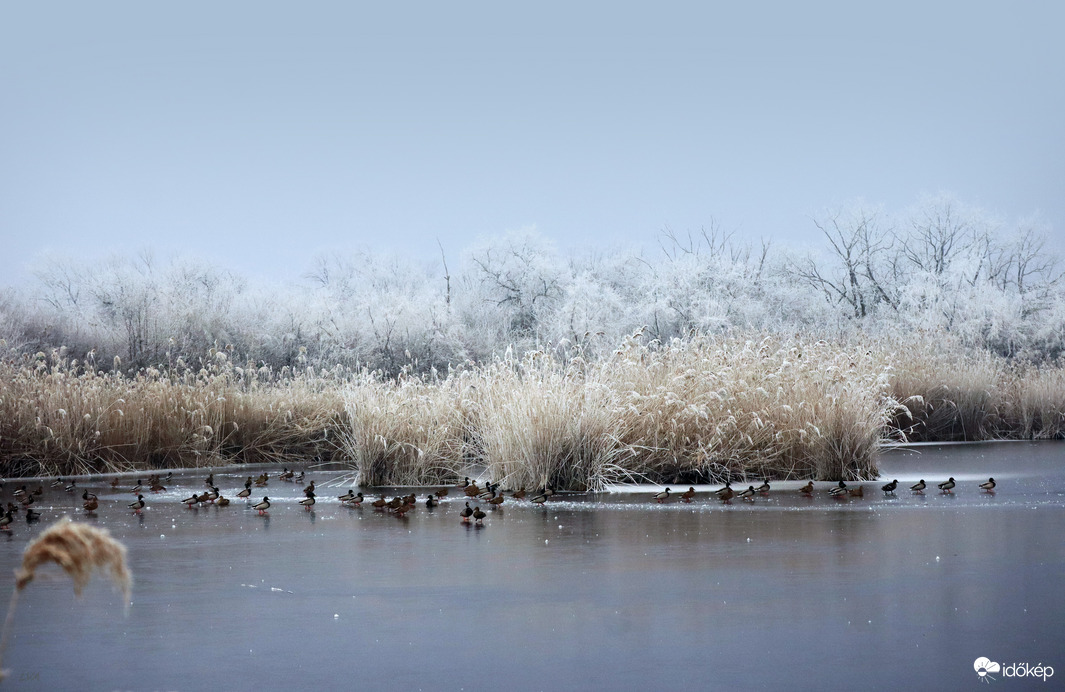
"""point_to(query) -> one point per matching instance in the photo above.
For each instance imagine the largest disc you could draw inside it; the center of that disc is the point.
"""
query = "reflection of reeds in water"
(80, 550)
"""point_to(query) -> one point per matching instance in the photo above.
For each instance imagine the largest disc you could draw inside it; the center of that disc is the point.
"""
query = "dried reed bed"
(1034, 406)
(699, 409)
(950, 395)
(403, 432)
(955, 394)
(535, 422)
(716, 409)
(58, 417)
(80, 550)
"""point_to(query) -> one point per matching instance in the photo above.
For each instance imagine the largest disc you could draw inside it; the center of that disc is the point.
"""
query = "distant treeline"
(940, 266)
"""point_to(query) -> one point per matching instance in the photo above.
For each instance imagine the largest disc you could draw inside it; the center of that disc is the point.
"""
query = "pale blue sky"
(259, 134)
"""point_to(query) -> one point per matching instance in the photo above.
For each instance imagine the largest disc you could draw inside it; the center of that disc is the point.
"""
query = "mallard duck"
(520, 495)
(347, 497)
(56, 483)
(222, 502)
(720, 492)
(662, 496)
(357, 500)
(137, 489)
(465, 483)
(115, 483)
(39, 491)
(262, 506)
(441, 493)
(947, 486)
(763, 488)
(496, 501)
(539, 499)
(838, 490)
(169, 477)
(478, 516)
(137, 505)
(5, 521)
(748, 494)
(856, 492)
(807, 489)
(308, 501)
(726, 494)
(212, 494)
(989, 486)
(157, 487)
(309, 490)
(20, 491)
(262, 480)
(919, 487)
(466, 513)
(32, 515)
(286, 475)
(91, 505)
(890, 487)
(431, 501)
(472, 490)
(688, 494)
(209, 481)
(88, 496)
(298, 477)
(191, 501)
(72, 486)
(246, 493)
(379, 503)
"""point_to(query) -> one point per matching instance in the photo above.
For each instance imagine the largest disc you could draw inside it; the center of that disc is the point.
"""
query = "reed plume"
(80, 550)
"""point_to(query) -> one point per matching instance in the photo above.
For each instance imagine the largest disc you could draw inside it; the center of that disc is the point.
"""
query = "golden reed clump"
(79, 549)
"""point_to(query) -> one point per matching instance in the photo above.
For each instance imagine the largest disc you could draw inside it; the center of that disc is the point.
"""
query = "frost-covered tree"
(940, 264)
(516, 282)
(860, 267)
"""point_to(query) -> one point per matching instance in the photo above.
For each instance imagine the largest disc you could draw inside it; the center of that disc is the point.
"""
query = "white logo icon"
(984, 667)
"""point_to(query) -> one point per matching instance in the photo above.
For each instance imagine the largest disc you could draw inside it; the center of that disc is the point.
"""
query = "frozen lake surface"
(589, 592)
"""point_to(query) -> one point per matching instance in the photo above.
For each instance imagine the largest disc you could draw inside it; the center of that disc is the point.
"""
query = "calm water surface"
(589, 592)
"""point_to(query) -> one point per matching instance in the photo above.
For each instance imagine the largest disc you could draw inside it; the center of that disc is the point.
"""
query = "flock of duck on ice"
(400, 505)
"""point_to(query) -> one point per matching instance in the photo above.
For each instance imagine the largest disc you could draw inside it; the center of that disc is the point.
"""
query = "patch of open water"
(587, 592)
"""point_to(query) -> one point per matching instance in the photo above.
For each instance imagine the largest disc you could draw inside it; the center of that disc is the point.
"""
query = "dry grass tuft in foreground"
(80, 550)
